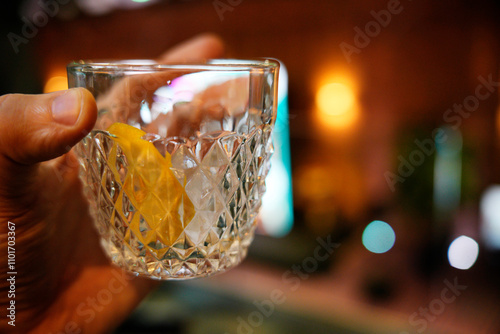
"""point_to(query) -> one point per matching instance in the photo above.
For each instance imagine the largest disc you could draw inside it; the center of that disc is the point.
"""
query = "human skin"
(63, 281)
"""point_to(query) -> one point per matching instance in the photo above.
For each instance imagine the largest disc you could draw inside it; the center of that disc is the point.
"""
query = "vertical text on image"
(11, 273)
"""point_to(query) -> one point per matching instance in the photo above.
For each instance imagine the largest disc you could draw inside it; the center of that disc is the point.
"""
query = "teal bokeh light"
(378, 237)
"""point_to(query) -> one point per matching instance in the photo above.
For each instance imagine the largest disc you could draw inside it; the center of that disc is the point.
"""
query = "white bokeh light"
(463, 252)
(490, 217)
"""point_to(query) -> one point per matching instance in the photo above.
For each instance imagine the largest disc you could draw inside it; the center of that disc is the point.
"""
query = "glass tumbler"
(174, 168)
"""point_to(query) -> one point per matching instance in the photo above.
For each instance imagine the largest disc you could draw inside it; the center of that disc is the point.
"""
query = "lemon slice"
(161, 201)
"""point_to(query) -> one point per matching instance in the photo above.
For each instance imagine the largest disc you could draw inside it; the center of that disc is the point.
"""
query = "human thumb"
(35, 128)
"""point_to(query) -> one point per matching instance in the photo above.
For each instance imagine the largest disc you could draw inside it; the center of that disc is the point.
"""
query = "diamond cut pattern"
(223, 176)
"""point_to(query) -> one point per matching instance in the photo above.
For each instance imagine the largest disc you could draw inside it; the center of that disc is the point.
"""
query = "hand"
(63, 282)
(124, 100)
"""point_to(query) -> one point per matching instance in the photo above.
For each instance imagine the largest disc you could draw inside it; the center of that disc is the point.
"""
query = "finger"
(204, 46)
(35, 128)
(124, 100)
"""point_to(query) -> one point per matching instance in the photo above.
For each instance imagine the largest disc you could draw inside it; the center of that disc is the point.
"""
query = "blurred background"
(391, 121)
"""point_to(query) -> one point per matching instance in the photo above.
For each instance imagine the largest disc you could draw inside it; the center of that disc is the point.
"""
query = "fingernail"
(66, 107)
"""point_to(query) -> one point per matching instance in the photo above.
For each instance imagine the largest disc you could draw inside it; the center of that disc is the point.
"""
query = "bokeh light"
(336, 105)
(448, 173)
(277, 203)
(336, 101)
(378, 237)
(276, 211)
(490, 217)
(463, 252)
(56, 83)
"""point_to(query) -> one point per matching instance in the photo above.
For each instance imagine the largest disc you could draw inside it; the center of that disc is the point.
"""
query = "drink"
(174, 167)
(178, 208)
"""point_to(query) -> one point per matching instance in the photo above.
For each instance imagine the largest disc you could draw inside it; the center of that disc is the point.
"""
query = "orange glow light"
(336, 104)
(56, 83)
(335, 99)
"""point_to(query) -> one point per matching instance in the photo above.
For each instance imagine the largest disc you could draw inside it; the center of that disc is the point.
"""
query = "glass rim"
(150, 65)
